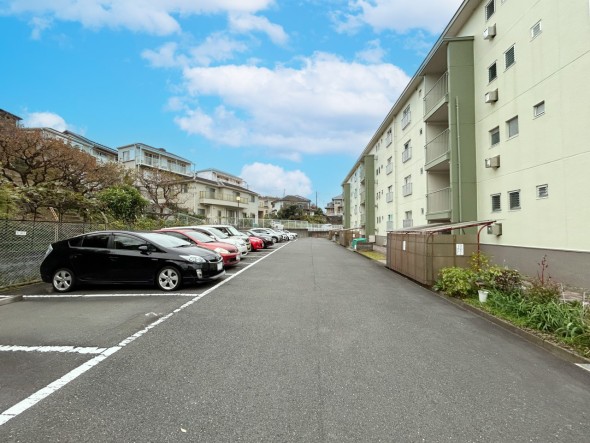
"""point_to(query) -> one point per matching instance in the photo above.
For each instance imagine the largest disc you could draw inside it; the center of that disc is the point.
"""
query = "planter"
(483, 295)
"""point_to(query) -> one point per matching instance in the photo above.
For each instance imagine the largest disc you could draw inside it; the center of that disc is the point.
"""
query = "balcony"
(406, 154)
(363, 197)
(438, 204)
(389, 168)
(407, 189)
(363, 219)
(435, 98)
(220, 199)
(408, 223)
(389, 226)
(437, 152)
(389, 197)
(362, 176)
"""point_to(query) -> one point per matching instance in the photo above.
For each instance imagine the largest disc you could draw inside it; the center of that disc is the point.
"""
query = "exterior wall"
(347, 202)
(413, 167)
(550, 149)
(369, 191)
(462, 130)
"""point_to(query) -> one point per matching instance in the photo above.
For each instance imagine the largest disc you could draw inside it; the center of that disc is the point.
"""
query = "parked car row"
(167, 258)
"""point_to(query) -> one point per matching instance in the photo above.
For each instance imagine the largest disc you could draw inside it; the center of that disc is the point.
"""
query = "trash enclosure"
(421, 252)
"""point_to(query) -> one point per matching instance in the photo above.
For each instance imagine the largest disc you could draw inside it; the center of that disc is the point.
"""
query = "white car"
(219, 236)
(292, 235)
(232, 232)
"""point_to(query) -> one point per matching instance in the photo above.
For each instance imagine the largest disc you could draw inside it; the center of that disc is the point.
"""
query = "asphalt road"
(313, 343)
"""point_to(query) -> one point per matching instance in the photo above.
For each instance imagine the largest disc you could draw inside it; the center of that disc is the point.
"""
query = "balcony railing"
(389, 226)
(438, 201)
(389, 197)
(436, 93)
(220, 196)
(438, 146)
(363, 219)
(363, 196)
(406, 154)
(408, 223)
(407, 189)
(389, 168)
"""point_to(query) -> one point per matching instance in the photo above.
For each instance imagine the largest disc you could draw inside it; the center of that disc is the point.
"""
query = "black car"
(121, 257)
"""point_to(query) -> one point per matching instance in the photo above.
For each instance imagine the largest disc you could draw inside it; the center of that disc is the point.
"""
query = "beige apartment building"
(220, 197)
(489, 128)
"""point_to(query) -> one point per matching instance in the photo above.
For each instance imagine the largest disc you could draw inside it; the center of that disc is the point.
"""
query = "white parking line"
(75, 373)
(585, 366)
(64, 349)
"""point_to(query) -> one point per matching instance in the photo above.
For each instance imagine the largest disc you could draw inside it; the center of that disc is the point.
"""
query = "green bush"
(456, 282)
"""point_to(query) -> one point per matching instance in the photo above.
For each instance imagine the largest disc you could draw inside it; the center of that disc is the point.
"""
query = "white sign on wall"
(460, 249)
(404, 245)
(21, 232)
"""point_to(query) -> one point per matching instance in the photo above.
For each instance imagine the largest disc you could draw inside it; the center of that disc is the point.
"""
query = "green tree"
(123, 202)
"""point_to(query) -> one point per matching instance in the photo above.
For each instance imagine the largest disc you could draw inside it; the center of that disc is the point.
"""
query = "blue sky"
(285, 94)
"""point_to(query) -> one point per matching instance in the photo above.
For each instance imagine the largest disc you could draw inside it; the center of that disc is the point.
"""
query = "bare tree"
(161, 188)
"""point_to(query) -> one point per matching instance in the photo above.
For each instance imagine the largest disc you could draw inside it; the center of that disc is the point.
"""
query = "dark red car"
(231, 255)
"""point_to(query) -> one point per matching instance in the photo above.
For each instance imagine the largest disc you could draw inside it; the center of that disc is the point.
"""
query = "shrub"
(456, 282)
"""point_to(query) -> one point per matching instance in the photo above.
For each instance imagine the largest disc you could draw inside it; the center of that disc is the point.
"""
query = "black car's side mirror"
(144, 249)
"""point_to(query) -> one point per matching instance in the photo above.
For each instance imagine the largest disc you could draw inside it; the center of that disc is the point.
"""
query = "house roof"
(90, 142)
(160, 151)
(4, 113)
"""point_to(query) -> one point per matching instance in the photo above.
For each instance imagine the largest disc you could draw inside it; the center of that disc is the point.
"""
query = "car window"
(76, 241)
(199, 236)
(164, 240)
(128, 242)
(96, 241)
(217, 233)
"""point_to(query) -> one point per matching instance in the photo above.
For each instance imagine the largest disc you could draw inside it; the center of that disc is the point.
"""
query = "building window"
(490, 8)
(184, 188)
(408, 222)
(407, 187)
(536, 30)
(495, 136)
(492, 72)
(389, 137)
(539, 109)
(514, 199)
(407, 152)
(406, 117)
(496, 206)
(509, 57)
(512, 127)
(543, 191)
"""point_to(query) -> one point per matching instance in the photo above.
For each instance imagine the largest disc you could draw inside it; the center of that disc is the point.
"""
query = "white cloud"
(244, 23)
(397, 15)
(374, 53)
(325, 105)
(46, 120)
(150, 16)
(268, 179)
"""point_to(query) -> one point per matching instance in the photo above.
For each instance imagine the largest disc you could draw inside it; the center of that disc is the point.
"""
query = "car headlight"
(193, 258)
(221, 251)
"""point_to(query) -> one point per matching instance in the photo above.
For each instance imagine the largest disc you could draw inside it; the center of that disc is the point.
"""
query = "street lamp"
(238, 200)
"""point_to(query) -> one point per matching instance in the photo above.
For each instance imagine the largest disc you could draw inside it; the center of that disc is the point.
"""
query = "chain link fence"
(23, 245)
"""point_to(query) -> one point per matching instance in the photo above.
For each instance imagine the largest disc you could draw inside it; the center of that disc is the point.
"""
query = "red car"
(231, 255)
(256, 243)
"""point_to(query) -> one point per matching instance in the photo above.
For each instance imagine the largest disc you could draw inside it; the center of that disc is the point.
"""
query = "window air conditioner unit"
(495, 229)
(492, 96)
(489, 32)
(493, 162)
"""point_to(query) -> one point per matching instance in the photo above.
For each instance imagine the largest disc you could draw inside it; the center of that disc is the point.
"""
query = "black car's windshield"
(167, 241)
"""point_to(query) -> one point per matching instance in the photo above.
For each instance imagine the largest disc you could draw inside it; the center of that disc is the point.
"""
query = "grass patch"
(373, 255)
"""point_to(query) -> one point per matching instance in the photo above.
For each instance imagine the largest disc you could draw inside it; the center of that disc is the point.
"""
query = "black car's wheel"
(63, 280)
(168, 278)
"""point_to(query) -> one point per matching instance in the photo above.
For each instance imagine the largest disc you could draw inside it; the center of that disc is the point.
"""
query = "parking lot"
(48, 339)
